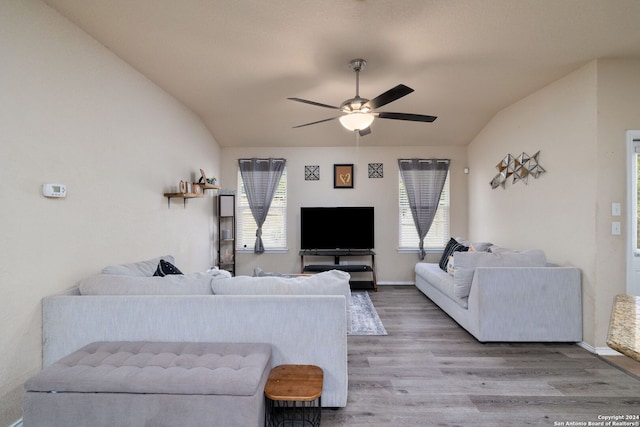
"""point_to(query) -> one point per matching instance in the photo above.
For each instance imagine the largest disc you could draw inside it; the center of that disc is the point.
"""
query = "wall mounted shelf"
(185, 196)
(207, 186)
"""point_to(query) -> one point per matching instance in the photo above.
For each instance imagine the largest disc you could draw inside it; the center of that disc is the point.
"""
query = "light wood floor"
(429, 371)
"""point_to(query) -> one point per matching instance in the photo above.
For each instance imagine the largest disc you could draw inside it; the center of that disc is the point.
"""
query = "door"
(633, 212)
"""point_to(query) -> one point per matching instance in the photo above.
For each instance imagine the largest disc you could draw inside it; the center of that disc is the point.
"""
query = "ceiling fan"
(358, 113)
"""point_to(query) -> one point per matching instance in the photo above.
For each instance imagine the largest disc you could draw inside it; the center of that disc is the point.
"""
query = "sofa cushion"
(467, 262)
(188, 284)
(440, 280)
(495, 249)
(475, 246)
(158, 367)
(452, 246)
(332, 282)
(141, 268)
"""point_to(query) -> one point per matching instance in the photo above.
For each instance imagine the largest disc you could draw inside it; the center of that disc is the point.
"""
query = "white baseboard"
(600, 351)
(395, 283)
(17, 423)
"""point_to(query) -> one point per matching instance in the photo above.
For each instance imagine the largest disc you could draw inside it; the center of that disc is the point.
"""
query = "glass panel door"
(633, 212)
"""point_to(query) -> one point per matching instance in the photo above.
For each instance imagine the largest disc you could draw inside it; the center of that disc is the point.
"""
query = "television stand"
(349, 268)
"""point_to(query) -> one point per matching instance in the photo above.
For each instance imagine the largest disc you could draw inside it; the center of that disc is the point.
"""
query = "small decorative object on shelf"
(192, 190)
(207, 181)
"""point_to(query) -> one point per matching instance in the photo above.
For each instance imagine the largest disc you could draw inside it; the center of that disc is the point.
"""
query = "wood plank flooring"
(429, 371)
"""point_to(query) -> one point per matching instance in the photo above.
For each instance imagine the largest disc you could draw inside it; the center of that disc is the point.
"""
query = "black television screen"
(336, 228)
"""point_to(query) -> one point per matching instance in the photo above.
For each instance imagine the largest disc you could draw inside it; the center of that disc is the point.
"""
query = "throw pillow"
(450, 266)
(481, 246)
(166, 268)
(452, 246)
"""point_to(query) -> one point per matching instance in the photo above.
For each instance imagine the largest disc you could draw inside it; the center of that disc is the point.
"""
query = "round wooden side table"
(293, 396)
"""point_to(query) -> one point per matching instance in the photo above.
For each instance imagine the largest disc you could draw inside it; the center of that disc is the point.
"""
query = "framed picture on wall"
(343, 176)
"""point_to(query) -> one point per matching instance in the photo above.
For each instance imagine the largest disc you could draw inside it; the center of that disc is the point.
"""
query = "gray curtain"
(424, 180)
(261, 178)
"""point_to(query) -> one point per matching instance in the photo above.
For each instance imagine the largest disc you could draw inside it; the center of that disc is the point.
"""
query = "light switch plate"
(615, 228)
(615, 209)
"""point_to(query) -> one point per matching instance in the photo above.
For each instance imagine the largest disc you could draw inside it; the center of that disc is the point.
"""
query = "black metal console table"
(349, 268)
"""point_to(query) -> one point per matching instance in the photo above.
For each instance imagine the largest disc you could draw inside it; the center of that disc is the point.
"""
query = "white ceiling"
(234, 62)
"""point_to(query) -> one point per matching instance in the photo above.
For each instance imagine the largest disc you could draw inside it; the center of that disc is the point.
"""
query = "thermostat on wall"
(54, 190)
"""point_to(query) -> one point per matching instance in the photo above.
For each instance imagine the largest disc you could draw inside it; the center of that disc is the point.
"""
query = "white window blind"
(274, 229)
(438, 234)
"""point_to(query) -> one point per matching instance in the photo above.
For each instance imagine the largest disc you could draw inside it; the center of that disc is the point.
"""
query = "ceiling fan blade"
(306, 101)
(405, 116)
(389, 96)
(364, 132)
(319, 121)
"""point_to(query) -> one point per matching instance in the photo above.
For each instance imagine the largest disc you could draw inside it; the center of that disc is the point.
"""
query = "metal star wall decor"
(520, 168)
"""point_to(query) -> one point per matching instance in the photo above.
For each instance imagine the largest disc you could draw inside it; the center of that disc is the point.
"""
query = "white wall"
(382, 193)
(73, 113)
(578, 123)
(618, 111)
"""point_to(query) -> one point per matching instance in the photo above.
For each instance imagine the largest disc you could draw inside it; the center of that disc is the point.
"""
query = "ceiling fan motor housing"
(355, 104)
(357, 65)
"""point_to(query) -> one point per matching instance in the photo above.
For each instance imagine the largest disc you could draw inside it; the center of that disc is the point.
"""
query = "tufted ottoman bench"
(151, 384)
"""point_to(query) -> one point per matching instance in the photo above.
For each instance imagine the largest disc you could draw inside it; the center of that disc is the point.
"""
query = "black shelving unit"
(349, 268)
(227, 233)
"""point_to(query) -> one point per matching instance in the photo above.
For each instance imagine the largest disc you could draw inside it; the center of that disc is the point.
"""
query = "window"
(274, 229)
(438, 234)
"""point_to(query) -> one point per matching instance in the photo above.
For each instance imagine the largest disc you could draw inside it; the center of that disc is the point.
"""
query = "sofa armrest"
(526, 304)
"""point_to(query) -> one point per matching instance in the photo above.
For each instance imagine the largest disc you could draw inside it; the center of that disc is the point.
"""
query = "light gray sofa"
(507, 296)
(305, 319)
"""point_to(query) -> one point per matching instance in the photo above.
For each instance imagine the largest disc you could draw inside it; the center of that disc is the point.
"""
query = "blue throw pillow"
(165, 268)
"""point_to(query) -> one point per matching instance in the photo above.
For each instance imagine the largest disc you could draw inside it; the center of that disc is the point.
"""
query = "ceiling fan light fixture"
(356, 121)
(358, 113)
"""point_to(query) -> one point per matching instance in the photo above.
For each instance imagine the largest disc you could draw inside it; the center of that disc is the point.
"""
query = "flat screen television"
(336, 228)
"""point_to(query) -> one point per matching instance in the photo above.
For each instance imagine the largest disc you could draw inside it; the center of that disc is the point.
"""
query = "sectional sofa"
(305, 319)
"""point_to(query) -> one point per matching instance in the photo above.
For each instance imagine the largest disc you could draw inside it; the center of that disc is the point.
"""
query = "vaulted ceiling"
(235, 62)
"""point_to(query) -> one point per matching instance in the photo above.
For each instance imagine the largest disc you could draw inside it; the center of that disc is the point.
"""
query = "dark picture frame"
(343, 175)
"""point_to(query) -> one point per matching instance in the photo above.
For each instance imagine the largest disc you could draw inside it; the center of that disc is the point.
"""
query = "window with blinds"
(274, 229)
(438, 234)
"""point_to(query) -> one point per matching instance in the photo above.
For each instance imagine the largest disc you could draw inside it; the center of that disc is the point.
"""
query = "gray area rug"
(364, 317)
